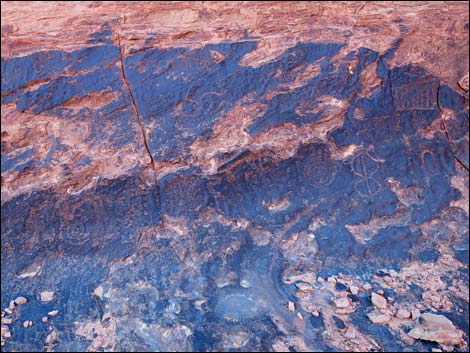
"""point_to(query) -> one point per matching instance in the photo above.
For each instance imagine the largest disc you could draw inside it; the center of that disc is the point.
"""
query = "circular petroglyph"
(364, 165)
(367, 187)
(236, 307)
(319, 169)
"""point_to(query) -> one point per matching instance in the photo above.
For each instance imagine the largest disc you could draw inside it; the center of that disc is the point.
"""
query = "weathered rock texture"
(234, 175)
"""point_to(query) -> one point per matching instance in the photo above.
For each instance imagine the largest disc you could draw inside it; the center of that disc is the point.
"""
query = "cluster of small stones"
(12, 313)
(338, 305)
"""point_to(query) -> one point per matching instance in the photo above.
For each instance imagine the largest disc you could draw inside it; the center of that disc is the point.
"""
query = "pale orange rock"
(46, 296)
(20, 300)
(341, 303)
(403, 314)
(378, 301)
(305, 287)
(354, 290)
(378, 318)
(437, 328)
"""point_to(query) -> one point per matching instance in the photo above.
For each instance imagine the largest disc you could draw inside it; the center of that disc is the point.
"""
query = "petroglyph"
(213, 176)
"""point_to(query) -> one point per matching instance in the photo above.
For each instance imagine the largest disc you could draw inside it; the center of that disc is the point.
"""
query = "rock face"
(185, 176)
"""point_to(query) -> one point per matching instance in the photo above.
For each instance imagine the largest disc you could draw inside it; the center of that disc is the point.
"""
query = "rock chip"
(46, 296)
(341, 303)
(27, 323)
(299, 277)
(403, 314)
(437, 328)
(304, 287)
(354, 290)
(53, 313)
(378, 318)
(291, 306)
(7, 320)
(378, 301)
(21, 300)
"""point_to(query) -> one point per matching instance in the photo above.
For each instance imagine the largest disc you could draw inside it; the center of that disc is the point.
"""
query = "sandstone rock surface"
(212, 176)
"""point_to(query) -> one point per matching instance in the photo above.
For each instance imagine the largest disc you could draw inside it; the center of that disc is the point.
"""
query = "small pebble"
(7, 321)
(46, 296)
(8, 311)
(419, 306)
(378, 318)
(341, 303)
(53, 312)
(320, 280)
(299, 315)
(378, 301)
(45, 319)
(354, 290)
(367, 286)
(27, 323)
(316, 313)
(304, 287)
(403, 314)
(291, 306)
(98, 291)
(381, 292)
(331, 279)
(21, 300)
(12, 305)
